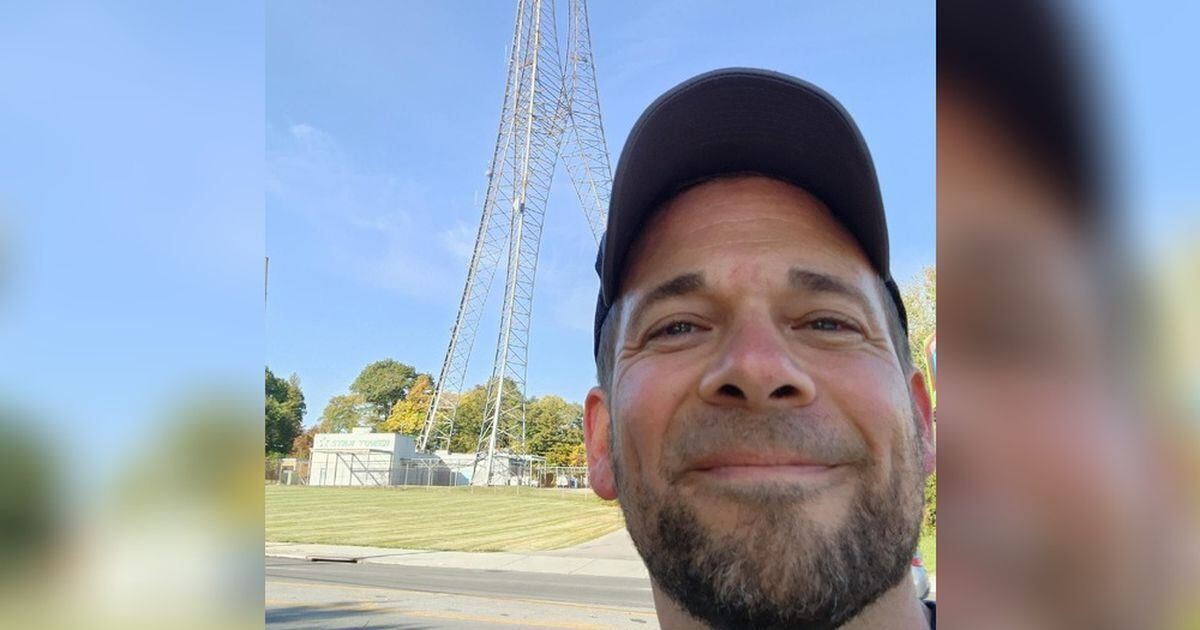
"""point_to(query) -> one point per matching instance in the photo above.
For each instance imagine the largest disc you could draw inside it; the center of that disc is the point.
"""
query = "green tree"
(382, 384)
(550, 423)
(469, 418)
(408, 415)
(559, 455)
(920, 302)
(345, 412)
(284, 412)
(566, 454)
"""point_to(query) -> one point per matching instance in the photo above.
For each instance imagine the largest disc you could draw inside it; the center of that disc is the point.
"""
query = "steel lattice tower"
(551, 110)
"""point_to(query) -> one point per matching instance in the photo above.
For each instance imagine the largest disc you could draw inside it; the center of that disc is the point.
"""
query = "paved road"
(303, 594)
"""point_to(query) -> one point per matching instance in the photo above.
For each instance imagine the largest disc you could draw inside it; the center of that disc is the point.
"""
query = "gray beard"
(780, 569)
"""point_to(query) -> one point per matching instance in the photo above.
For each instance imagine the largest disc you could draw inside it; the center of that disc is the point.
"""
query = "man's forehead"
(747, 217)
(738, 195)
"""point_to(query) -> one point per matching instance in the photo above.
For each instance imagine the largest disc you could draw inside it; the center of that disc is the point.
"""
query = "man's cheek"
(646, 397)
(875, 414)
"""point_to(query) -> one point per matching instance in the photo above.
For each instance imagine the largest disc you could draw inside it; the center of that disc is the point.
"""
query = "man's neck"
(897, 609)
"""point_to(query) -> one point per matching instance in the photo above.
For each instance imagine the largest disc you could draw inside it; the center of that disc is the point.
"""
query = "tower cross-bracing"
(551, 111)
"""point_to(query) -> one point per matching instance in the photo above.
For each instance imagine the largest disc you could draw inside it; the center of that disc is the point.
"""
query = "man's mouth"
(763, 467)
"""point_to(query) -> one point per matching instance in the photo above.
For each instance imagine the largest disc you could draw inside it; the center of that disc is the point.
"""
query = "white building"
(363, 458)
(358, 458)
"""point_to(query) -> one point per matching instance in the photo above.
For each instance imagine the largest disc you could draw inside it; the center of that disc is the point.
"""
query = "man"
(757, 413)
(1051, 481)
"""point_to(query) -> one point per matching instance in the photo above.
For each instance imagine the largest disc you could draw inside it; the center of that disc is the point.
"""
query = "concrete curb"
(560, 562)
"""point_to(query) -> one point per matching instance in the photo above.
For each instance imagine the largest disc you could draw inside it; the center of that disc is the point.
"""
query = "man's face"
(1043, 468)
(767, 449)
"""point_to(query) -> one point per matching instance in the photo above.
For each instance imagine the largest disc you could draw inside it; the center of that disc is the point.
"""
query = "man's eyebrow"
(816, 282)
(682, 284)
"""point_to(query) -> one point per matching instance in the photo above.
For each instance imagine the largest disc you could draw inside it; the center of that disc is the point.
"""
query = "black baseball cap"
(742, 120)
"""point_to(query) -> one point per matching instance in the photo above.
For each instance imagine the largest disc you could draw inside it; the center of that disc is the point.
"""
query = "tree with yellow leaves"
(408, 414)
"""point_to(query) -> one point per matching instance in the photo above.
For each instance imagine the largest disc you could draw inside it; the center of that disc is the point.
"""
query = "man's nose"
(757, 369)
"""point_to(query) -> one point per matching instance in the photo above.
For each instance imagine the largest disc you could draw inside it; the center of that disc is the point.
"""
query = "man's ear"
(923, 407)
(597, 422)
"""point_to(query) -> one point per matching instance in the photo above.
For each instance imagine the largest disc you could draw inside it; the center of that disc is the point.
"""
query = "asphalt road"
(302, 594)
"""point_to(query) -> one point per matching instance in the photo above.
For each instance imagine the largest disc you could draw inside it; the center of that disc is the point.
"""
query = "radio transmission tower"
(551, 110)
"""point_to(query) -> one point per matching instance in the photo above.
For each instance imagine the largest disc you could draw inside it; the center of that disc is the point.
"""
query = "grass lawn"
(927, 545)
(454, 519)
(448, 519)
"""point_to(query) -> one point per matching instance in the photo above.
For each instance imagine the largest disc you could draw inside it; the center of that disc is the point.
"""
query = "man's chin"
(755, 552)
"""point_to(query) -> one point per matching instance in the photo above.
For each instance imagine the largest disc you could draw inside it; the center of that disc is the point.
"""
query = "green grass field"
(447, 519)
(453, 519)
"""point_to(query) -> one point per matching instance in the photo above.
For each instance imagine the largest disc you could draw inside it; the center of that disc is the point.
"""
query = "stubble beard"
(779, 568)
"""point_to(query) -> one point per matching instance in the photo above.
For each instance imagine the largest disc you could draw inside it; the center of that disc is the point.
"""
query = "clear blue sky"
(131, 217)
(381, 118)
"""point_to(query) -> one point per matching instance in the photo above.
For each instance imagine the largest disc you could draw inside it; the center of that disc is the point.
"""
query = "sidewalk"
(611, 555)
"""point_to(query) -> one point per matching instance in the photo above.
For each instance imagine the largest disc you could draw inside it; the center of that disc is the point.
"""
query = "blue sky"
(381, 118)
(131, 218)
(151, 153)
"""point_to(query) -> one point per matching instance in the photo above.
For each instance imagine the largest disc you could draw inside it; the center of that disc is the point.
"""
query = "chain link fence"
(288, 471)
(358, 469)
(562, 477)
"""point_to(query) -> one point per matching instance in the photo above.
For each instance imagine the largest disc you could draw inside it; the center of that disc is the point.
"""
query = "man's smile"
(751, 467)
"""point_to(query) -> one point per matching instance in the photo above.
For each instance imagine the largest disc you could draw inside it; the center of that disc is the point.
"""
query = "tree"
(929, 519)
(579, 455)
(920, 303)
(559, 455)
(468, 420)
(565, 454)
(284, 412)
(550, 423)
(408, 415)
(345, 412)
(382, 384)
(302, 445)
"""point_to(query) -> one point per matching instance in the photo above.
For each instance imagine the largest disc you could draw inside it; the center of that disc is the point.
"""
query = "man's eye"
(674, 329)
(831, 324)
